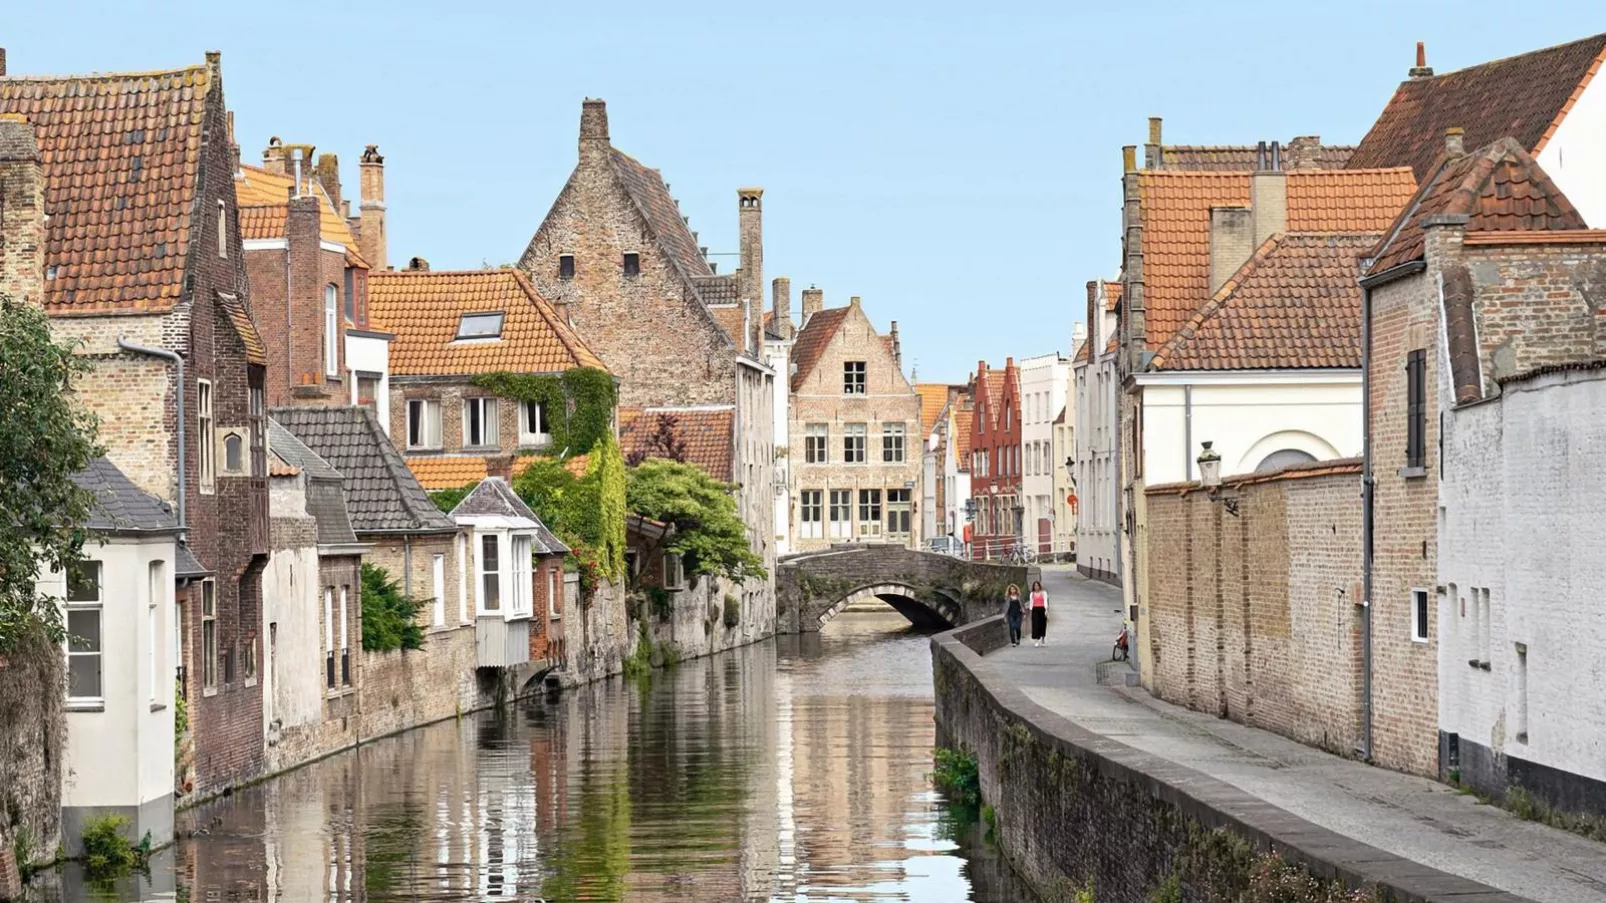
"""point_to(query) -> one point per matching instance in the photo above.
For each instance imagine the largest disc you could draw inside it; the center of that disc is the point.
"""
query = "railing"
(1013, 549)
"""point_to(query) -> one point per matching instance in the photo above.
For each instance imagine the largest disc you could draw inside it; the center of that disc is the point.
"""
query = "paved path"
(1412, 817)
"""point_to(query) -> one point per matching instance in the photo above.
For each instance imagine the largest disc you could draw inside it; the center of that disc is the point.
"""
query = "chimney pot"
(2, 61)
(1421, 69)
(418, 265)
(1276, 156)
(1260, 156)
(1129, 158)
(1421, 53)
(1154, 130)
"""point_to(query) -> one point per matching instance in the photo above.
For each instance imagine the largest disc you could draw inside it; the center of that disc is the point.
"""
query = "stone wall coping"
(1212, 802)
(1305, 471)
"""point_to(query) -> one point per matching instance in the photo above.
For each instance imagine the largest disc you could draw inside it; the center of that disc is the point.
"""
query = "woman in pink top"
(1039, 604)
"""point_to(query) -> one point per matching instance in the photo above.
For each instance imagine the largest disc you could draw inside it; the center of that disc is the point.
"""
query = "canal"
(795, 769)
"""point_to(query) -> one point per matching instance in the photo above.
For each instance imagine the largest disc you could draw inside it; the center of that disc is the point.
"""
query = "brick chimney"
(298, 166)
(329, 177)
(594, 146)
(750, 272)
(303, 316)
(1268, 197)
(2, 61)
(1421, 69)
(273, 156)
(813, 303)
(22, 212)
(1094, 314)
(372, 182)
(897, 346)
(417, 265)
(1153, 153)
(781, 306)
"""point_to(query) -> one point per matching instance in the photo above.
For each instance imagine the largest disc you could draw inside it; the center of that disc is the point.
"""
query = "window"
(368, 391)
(83, 633)
(331, 331)
(209, 634)
(566, 266)
(479, 422)
(249, 659)
(533, 429)
(207, 440)
(1522, 692)
(1484, 625)
(898, 509)
(345, 636)
(673, 574)
(222, 229)
(1415, 409)
(815, 437)
(869, 512)
(523, 580)
(350, 295)
(892, 443)
(329, 637)
(554, 592)
(1419, 615)
(490, 574)
(233, 453)
(438, 572)
(632, 264)
(813, 502)
(1287, 457)
(480, 326)
(853, 378)
(423, 423)
(853, 443)
(154, 632)
(841, 513)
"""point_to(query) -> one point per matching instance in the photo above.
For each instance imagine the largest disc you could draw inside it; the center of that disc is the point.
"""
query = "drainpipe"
(1367, 498)
(126, 345)
(1187, 432)
(407, 566)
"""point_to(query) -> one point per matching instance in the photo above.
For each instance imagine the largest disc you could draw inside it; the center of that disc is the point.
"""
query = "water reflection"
(792, 770)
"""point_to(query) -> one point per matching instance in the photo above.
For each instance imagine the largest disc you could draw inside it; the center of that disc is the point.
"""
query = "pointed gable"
(651, 196)
(812, 341)
(1523, 97)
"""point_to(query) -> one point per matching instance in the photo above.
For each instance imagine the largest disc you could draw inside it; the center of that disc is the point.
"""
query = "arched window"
(1281, 458)
(233, 453)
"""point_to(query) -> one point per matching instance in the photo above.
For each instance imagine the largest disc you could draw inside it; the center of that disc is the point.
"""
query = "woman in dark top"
(1039, 604)
(1012, 613)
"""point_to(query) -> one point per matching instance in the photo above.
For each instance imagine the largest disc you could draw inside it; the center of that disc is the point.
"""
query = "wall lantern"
(1210, 479)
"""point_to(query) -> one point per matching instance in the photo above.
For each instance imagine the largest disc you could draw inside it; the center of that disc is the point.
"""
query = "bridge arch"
(928, 608)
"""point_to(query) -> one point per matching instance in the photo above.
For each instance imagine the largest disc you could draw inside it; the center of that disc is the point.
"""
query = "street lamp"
(1210, 479)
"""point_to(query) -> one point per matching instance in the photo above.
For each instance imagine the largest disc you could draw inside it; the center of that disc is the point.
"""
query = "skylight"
(480, 326)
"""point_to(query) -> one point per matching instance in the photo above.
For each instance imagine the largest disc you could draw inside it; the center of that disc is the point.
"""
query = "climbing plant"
(579, 403)
(587, 513)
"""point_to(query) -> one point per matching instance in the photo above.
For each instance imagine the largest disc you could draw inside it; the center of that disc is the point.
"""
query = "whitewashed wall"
(1573, 156)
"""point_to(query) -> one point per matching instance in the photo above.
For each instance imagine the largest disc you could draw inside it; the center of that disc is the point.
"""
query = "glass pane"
(83, 630)
(83, 676)
(83, 582)
(493, 593)
(480, 326)
(208, 597)
(488, 549)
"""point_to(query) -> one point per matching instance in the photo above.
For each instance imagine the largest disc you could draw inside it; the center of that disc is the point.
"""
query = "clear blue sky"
(956, 165)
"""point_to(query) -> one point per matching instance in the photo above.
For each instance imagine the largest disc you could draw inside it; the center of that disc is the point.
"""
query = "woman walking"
(1012, 613)
(1039, 601)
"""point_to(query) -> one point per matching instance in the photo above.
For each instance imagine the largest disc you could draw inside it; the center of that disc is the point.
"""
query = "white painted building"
(1042, 397)
(955, 467)
(505, 536)
(122, 656)
(368, 360)
(1098, 522)
(1063, 462)
(778, 356)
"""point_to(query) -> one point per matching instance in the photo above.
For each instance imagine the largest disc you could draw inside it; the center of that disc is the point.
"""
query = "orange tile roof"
(121, 153)
(1524, 97)
(1500, 187)
(255, 351)
(267, 193)
(1296, 303)
(964, 418)
(1176, 226)
(1080, 357)
(933, 397)
(1112, 344)
(437, 472)
(575, 465)
(729, 317)
(1112, 297)
(812, 341)
(709, 435)
(423, 309)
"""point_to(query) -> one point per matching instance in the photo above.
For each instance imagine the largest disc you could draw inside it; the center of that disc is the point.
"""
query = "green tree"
(389, 616)
(47, 438)
(709, 536)
(447, 499)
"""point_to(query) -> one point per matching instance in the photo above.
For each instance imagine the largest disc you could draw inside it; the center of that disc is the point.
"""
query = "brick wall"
(287, 299)
(22, 219)
(997, 433)
(450, 392)
(1255, 617)
(1537, 305)
(32, 738)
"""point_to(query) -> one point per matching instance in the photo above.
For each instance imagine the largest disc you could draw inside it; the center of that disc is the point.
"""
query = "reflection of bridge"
(926, 588)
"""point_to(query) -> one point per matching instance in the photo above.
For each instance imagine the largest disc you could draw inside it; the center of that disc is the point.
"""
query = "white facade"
(1520, 625)
(930, 468)
(956, 475)
(1042, 397)
(1572, 155)
(1097, 413)
(1250, 416)
(778, 356)
(368, 357)
(119, 755)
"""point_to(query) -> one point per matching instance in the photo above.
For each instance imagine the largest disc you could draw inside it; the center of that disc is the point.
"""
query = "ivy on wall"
(579, 403)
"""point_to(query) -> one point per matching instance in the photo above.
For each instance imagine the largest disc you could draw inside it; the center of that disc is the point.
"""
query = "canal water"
(795, 769)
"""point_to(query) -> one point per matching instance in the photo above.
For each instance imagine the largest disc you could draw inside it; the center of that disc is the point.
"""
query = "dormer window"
(632, 264)
(566, 266)
(480, 326)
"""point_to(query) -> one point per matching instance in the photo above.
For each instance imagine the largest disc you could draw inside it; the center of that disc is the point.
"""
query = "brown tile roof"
(964, 418)
(812, 341)
(452, 472)
(1176, 226)
(1522, 97)
(1500, 188)
(933, 398)
(647, 189)
(1240, 157)
(267, 194)
(121, 154)
(709, 435)
(1080, 357)
(423, 309)
(729, 317)
(717, 289)
(1296, 303)
(255, 351)
(1112, 344)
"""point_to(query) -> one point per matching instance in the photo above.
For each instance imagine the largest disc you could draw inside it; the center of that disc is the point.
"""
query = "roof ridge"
(105, 76)
(547, 312)
(477, 271)
(1601, 37)
(396, 465)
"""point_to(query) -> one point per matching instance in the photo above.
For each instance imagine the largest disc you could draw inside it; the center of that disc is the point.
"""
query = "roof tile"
(709, 435)
(812, 340)
(382, 495)
(119, 506)
(263, 198)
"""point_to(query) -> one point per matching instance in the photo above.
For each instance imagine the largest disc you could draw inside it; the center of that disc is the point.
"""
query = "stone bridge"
(929, 589)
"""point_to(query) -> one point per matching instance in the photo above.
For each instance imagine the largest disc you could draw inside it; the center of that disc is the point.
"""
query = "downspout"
(1120, 494)
(407, 565)
(1187, 432)
(126, 345)
(1366, 522)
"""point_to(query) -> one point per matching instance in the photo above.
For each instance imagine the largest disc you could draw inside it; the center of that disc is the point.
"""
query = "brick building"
(1515, 300)
(934, 438)
(618, 260)
(143, 267)
(995, 475)
(855, 430)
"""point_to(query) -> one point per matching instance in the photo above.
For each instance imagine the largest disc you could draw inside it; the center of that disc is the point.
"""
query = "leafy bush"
(709, 535)
(957, 776)
(447, 499)
(389, 616)
(733, 611)
(107, 854)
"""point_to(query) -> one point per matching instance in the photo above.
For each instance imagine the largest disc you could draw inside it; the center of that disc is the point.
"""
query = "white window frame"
(554, 579)
(343, 667)
(905, 507)
(210, 676)
(157, 579)
(429, 429)
(88, 606)
(840, 529)
(222, 228)
(894, 440)
(521, 597)
(206, 467)
(330, 680)
(438, 573)
(489, 414)
(480, 595)
(331, 331)
(870, 513)
(1420, 614)
(855, 377)
(531, 433)
(811, 500)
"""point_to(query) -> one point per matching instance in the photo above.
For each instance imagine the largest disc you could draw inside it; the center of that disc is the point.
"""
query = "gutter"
(163, 353)
(1367, 506)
